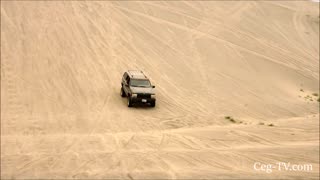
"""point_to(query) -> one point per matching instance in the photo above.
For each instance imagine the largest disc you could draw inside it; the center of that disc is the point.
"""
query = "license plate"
(144, 100)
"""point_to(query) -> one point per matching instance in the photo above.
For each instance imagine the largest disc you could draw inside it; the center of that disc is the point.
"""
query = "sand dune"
(62, 115)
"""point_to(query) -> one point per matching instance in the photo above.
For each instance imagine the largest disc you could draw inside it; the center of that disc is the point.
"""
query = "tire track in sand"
(198, 32)
(9, 79)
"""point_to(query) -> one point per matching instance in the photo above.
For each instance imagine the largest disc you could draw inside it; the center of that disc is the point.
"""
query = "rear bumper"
(140, 100)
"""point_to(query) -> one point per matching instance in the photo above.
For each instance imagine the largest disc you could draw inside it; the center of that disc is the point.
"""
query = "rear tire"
(129, 102)
(122, 94)
(153, 104)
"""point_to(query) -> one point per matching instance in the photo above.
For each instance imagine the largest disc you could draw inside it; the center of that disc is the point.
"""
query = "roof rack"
(137, 74)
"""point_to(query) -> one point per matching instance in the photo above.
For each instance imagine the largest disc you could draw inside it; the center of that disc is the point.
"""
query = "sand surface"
(62, 115)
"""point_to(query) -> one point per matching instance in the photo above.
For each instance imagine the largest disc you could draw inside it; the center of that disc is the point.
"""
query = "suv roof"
(136, 74)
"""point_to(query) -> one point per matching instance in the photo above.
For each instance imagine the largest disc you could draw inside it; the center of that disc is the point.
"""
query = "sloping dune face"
(237, 83)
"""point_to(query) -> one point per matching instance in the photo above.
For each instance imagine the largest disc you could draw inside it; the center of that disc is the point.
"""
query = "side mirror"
(153, 86)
